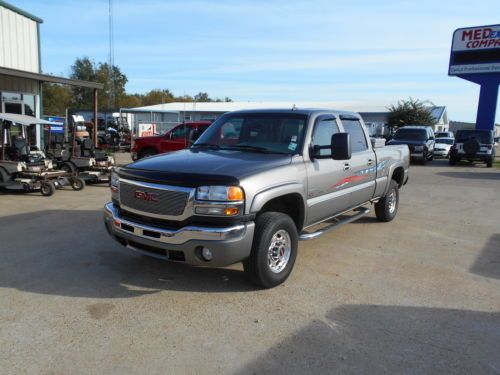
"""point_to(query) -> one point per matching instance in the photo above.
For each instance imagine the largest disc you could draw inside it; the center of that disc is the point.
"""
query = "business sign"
(147, 130)
(475, 50)
(58, 127)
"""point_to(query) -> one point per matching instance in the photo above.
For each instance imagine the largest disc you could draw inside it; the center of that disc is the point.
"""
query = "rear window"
(484, 136)
(411, 134)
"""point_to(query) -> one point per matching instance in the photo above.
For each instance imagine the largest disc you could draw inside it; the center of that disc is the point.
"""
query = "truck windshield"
(448, 141)
(483, 136)
(411, 134)
(263, 132)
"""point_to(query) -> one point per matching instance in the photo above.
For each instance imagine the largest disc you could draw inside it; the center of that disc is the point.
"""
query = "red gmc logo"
(145, 196)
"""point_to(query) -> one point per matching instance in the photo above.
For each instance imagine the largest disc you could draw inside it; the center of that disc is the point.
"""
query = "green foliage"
(56, 98)
(410, 112)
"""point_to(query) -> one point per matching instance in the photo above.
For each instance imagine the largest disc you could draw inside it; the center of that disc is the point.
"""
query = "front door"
(327, 178)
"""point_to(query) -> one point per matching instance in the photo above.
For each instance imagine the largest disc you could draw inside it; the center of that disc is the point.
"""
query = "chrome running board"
(362, 211)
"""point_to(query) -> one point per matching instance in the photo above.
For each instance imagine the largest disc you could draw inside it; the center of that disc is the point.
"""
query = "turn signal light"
(234, 193)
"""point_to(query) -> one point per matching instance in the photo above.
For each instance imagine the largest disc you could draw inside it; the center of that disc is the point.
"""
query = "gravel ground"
(418, 295)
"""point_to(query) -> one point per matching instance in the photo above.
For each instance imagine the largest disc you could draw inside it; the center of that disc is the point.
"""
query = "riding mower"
(25, 168)
(81, 157)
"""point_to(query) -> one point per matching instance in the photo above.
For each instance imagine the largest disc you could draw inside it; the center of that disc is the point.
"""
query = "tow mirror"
(341, 146)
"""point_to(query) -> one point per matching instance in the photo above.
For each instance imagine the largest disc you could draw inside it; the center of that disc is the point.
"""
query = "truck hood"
(198, 167)
(405, 142)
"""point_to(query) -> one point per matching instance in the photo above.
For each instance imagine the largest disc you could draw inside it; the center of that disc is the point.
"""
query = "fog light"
(232, 211)
(206, 254)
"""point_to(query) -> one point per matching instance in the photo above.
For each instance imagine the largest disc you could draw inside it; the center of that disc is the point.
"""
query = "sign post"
(475, 57)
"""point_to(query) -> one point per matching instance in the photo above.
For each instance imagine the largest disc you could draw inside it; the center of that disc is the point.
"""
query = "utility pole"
(111, 63)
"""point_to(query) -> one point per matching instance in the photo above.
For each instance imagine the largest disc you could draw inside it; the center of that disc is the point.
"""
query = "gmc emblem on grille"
(145, 196)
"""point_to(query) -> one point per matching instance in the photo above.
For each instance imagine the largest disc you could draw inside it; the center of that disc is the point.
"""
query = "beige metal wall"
(18, 41)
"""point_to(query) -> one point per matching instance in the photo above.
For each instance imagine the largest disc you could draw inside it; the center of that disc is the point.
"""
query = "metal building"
(21, 74)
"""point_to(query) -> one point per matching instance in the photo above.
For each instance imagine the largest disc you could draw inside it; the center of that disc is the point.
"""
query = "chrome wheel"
(391, 201)
(279, 251)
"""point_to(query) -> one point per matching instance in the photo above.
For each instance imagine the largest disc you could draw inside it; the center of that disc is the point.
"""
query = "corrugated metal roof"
(234, 106)
(20, 11)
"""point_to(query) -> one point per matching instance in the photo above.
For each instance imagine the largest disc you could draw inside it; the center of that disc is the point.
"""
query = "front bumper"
(228, 244)
(441, 153)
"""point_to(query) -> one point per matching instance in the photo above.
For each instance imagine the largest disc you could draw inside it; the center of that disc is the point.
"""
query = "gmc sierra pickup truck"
(253, 185)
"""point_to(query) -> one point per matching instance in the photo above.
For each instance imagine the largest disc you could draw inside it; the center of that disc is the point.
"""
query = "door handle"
(370, 162)
(347, 166)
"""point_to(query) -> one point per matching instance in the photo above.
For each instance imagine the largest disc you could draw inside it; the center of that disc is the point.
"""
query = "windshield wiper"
(207, 145)
(254, 148)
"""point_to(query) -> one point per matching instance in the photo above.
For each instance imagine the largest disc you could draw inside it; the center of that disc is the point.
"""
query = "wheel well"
(398, 175)
(290, 204)
(147, 148)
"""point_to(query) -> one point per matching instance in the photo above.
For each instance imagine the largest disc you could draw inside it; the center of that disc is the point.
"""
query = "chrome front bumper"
(228, 244)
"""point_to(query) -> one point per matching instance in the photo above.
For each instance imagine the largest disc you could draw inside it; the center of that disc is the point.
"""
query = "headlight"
(115, 182)
(220, 193)
(419, 148)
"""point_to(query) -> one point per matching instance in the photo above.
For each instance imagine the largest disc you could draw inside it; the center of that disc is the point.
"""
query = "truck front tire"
(274, 250)
(387, 208)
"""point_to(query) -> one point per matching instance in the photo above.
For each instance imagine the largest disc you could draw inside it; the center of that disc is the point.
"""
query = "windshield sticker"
(292, 146)
(294, 139)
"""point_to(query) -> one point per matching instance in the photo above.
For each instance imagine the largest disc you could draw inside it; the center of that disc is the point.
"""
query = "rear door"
(327, 194)
(362, 168)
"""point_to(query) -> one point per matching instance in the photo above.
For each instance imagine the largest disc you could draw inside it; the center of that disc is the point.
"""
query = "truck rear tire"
(274, 250)
(387, 208)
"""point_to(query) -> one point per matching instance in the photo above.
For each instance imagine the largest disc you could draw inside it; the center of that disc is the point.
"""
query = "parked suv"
(177, 138)
(444, 135)
(253, 185)
(420, 141)
(473, 145)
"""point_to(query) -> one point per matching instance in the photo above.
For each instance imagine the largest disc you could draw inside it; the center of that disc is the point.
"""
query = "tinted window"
(355, 130)
(179, 132)
(411, 134)
(256, 132)
(322, 134)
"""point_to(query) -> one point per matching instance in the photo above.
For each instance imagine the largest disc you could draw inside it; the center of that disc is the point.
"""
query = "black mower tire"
(69, 167)
(47, 188)
(77, 183)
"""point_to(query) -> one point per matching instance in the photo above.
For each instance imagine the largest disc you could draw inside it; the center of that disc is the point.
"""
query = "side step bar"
(362, 211)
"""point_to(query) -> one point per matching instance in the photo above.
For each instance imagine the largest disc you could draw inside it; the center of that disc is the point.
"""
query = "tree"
(410, 112)
(157, 96)
(55, 99)
(82, 69)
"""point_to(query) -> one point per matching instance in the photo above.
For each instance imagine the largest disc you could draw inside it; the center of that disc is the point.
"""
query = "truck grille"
(153, 201)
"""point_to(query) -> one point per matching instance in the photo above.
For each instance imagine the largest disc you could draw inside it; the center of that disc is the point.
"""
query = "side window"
(355, 130)
(179, 132)
(323, 131)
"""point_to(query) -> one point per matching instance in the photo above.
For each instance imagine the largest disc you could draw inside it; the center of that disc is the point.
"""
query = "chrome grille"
(166, 202)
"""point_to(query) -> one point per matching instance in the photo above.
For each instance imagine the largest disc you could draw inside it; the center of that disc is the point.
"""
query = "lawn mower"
(80, 155)
(22, 166)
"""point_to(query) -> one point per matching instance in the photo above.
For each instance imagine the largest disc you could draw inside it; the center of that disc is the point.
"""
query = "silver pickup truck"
(253, 185)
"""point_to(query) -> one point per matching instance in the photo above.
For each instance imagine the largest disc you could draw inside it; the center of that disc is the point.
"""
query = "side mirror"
(341, 146)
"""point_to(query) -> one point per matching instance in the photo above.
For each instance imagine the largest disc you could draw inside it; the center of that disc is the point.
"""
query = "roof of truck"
(302, 111)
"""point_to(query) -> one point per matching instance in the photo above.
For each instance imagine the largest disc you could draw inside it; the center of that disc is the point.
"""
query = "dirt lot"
(418, 295)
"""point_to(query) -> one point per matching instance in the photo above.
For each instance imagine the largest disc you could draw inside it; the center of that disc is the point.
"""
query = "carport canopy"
(24, 120)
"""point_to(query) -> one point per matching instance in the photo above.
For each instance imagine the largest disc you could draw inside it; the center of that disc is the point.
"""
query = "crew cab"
(177, 138)
(473, 145)
(420, 140)
(253, 185)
